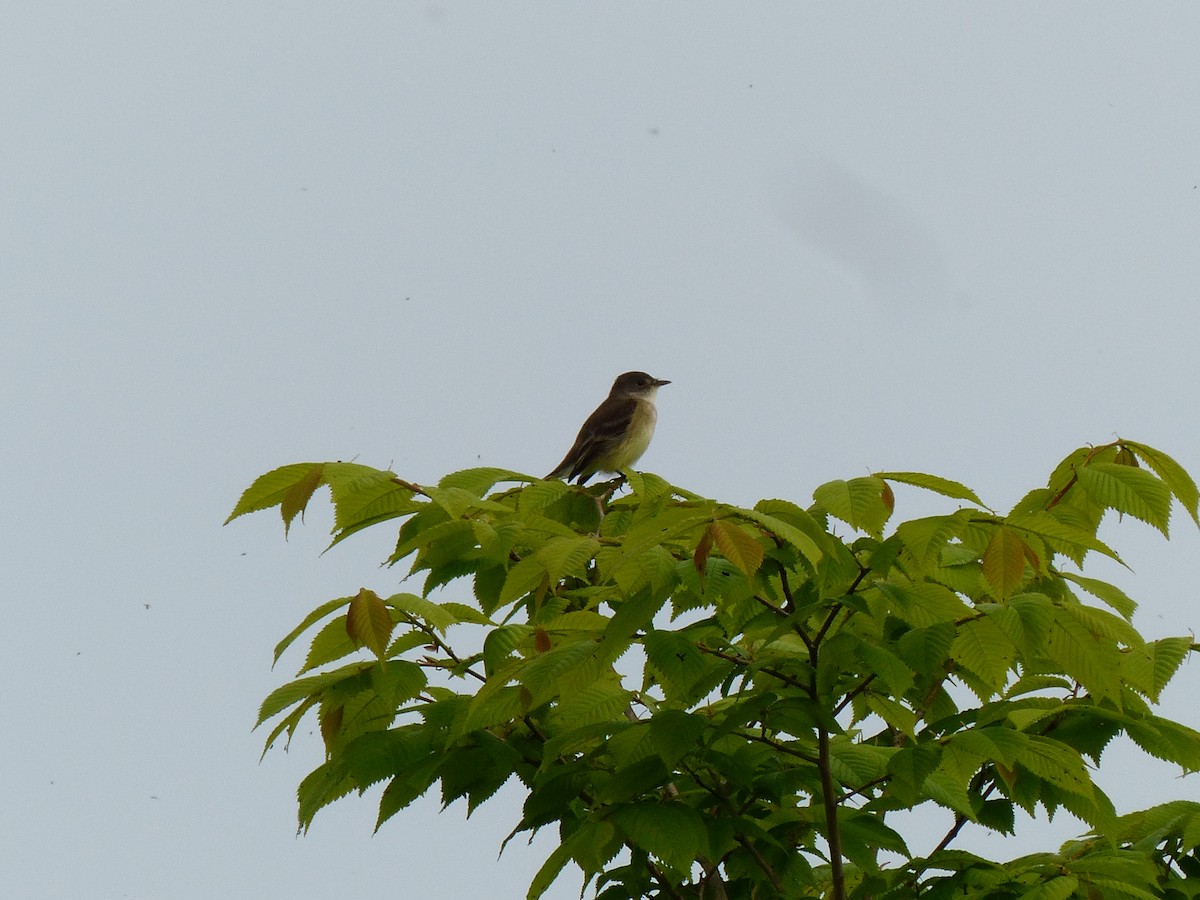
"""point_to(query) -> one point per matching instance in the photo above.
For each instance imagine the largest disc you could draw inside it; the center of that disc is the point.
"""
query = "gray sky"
(948, 238)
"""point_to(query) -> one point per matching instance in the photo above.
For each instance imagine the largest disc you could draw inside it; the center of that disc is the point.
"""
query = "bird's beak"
(659, 382)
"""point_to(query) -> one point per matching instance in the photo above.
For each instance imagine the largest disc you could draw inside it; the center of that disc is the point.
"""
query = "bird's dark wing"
(604, 429)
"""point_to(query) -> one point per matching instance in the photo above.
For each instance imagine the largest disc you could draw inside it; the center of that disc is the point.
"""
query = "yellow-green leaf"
(369, 622)
(737, 545)
(858, 502)
(1004, 562)
(1125, 489)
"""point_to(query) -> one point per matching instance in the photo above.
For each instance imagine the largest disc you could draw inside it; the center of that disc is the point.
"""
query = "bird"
(617, 433)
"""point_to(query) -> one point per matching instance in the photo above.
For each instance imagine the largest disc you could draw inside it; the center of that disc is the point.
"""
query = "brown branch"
(789, 600)
(849, 698)
(1057, 498)
(833, 835)
(769, 670)
(783, 748)
(429, 632)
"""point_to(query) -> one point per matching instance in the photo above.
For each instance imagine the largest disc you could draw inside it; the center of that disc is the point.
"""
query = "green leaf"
(1109, 593)
(858, 502)
(1092, 662)
(296, 499)
(527, 576)
(1128, 490)
(943, 486)
(1004, 562)
(308, 621)
(427, 611)
(792, 525)
(330, 643)
(1167, 740)
(1057, 764)
(670, 831)
(925, 649)
(926, 537)
(480, 480)
(549, 871)
(295, 691)
(1149, 667)
(1059, 888)
(323, 785)
(676, 662)
(601, 701)
(892, 671)
(945, 790)
(543, 671)
(1177, 480)
(1061, 536)
(561, 557)
(275, 487)
(675, 733)
(984, 648)
(363, 496)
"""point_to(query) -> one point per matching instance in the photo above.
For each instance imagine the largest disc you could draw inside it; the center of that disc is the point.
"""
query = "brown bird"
(617, 433)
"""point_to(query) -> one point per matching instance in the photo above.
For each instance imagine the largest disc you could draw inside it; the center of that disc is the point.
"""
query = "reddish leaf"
(737, 546)
(331, 723)
(369, 623)
(700, 557)
(296, 499)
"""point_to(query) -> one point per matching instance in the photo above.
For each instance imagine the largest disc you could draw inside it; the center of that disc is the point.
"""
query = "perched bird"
(617, 433)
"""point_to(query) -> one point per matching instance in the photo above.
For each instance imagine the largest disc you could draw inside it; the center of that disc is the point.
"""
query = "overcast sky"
(951, 238)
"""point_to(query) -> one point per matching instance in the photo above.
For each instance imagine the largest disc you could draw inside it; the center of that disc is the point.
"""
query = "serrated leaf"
(542, 672)
(295, 500)
(948, 791)
(1059, 535)
(329, 644)
(675, 660)
(566, 556)
(854, 764)
(271, 488)
(1176, 478)
(315, 616)
(1059, 888)
(984, 648)
(1109, 593)
(674, 734)
(891, 670)
(525, 577)
(926, 537)
(1057, 764)
(1093, 663)
(479, 481)
(938, 485)
(369, 622)
(858, 502)
(1004, 562)
(601, 701)
(1128, 490)
(549, 871)
(1151, 666)
(793, 525)
(737, 546)
(295, 691)
(670, 831)
(427, 611)
(925, 649)
(363, 497)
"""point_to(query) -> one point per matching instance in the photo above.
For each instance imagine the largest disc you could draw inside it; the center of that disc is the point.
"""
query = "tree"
(711, 701)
